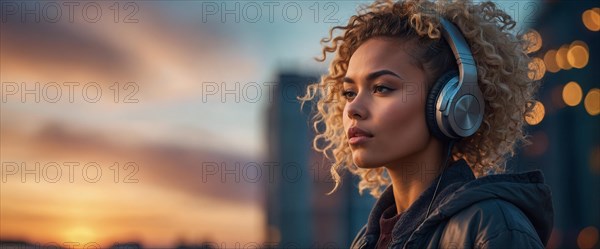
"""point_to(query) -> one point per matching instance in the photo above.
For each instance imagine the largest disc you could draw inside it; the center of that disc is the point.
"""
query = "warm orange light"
(81, 235)
(572, 93)
(537, 69)
(580, 43)
(561, 58)
(588, 237)
(550, 61)
(591, 19)
(534, 41)
(536, 115)
(577, 56)
(592, 102)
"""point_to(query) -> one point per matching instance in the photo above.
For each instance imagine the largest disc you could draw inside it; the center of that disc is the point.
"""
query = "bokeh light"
(592, 102)
(550, 61)
(580, 43)
(591, 19)
(535, 41)
(572, 93)
(536, 115)
(537, 69)
(561, 57)
(588, 237)
(578, 55)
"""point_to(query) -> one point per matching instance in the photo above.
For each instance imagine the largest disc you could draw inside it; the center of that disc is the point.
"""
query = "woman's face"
(386, 97)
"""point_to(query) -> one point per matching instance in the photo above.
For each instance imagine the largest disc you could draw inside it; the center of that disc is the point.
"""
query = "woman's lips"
(358, 136)
(358, 140)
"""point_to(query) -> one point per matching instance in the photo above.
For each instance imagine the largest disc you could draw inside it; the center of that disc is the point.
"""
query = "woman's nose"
(356, 109)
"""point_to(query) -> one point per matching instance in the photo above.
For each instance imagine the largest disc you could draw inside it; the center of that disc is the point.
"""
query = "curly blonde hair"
(502, 70)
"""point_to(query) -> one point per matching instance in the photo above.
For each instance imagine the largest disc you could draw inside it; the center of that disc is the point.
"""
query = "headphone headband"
(467, 70)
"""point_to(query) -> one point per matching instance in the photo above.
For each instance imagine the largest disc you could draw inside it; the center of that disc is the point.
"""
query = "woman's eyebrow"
(373, 76)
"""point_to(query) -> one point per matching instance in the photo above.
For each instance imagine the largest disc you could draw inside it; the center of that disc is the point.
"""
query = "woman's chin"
(364, 163)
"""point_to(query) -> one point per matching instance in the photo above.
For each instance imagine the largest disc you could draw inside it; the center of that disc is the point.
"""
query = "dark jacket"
(494, 211)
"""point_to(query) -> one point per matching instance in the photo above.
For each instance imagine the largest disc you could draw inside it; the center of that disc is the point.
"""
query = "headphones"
(455, 104)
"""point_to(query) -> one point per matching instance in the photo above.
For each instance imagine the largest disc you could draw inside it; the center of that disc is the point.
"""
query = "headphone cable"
(448, 153)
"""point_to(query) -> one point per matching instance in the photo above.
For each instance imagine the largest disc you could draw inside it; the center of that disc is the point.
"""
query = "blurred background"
(163, 124)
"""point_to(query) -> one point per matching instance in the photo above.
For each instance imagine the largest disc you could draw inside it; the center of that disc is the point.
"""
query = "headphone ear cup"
(430, 106)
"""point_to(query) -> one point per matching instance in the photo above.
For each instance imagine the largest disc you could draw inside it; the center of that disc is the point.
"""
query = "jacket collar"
(525, 190)
(455, 175)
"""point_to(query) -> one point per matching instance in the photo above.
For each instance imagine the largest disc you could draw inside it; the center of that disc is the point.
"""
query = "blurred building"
(299, 213)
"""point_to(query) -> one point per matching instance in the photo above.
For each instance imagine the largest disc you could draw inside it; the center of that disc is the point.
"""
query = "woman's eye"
(348, 94)
(381, 89)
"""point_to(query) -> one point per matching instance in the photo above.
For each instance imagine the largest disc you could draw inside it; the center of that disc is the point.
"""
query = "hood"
(525, 190)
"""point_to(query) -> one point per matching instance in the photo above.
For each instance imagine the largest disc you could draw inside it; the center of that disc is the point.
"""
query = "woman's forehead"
(380, 54)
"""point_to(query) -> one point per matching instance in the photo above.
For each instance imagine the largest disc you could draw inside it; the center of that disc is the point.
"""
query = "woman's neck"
(413, 174)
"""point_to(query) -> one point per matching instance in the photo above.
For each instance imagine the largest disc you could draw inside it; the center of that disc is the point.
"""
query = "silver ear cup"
(459, 112)
(467, 115)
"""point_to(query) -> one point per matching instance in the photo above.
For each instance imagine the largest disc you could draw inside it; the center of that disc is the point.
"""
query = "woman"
(431, 97)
